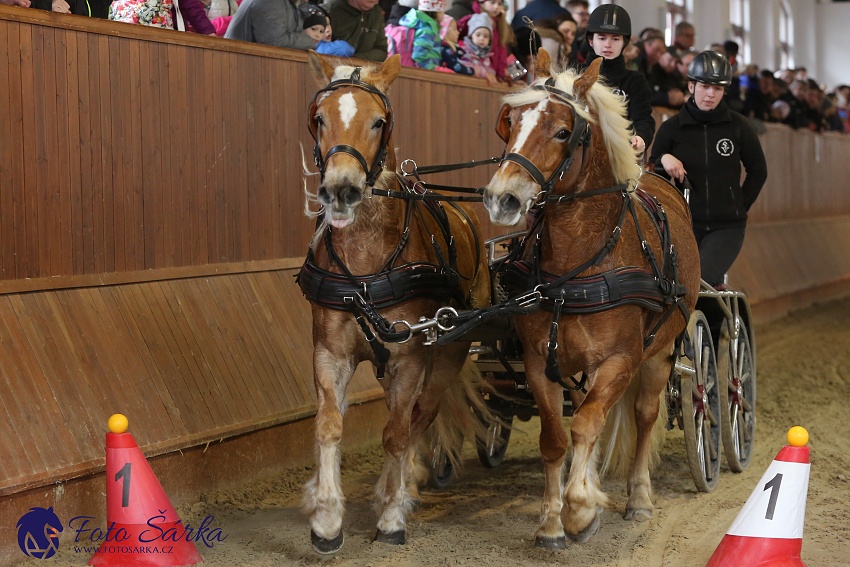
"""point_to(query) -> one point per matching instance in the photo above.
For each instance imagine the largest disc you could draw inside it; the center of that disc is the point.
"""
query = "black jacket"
(712, 146)
(638, 95)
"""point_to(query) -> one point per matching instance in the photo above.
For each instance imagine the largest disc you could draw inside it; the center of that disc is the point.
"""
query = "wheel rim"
(701, 408)
(738, 417)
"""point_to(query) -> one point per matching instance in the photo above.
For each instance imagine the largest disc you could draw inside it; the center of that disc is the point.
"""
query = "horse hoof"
(392, 538)
(326, 546)
(584, 535)
(638, 514)
(553, 543)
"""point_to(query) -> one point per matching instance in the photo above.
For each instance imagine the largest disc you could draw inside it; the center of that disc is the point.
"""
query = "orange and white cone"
(135, 501)
(768, 531)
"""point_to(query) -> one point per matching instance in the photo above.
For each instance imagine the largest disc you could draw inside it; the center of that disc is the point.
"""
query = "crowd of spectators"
(474, 37)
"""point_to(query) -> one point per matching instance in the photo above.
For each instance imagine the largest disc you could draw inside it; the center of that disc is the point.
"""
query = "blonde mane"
(610, 110)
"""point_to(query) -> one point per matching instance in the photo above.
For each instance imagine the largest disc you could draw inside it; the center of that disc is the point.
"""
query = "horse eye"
(379, 123)
(319, 120)
(562, 135)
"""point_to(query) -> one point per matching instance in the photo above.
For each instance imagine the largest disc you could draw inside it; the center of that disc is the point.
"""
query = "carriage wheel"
(494, 445)
(442, 471)
(737, 388)
(701, 407)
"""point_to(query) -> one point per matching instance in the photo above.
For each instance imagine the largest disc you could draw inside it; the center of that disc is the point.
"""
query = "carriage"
(596, 302)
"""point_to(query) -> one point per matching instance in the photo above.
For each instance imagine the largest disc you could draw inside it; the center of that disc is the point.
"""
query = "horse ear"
(503, 124)
(321, 69)
(388, 72)
(587, 79)
(543, 64)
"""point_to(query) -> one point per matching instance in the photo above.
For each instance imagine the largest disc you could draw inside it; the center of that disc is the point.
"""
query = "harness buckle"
(404, 171)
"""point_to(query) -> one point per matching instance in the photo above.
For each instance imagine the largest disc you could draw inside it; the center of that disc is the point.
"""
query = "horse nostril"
(508, 203)
(324, 196)
(351, 196)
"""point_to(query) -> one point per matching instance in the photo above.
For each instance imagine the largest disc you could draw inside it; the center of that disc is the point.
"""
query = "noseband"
(580, 136)
(378, 163)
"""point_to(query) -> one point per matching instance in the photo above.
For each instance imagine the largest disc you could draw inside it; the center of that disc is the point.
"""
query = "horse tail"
(463, 414)
(618, 441)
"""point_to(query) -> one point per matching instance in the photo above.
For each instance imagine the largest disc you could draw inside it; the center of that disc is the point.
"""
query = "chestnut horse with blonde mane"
(375, 260)
(568, 159)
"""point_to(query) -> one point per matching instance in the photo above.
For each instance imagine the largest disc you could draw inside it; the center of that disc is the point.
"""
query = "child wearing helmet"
(708, 142)
(609, 30)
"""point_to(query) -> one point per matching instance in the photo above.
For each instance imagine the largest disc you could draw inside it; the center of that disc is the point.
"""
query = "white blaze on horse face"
(347, 109)
(529, 121)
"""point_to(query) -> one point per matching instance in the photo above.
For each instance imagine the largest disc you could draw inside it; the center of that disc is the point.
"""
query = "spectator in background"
(317, 26)
(162, 14)
(798, 101)
(503, 39)
(477, 45)
(760, 96)
(684, 37)
(270, 22)
(580, 11)
(361, 24)
(568, 29)
(682, 65)
(666, 82)
(553, 42)
(651, 49)
(537, 10)
(450, 52)
(416, 38)
(786, 108)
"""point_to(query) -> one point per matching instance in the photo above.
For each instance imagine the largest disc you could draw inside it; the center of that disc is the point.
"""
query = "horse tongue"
(341, 223)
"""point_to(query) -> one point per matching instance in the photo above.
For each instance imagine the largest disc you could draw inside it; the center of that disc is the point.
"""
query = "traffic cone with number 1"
(768, 531)
(142, 527)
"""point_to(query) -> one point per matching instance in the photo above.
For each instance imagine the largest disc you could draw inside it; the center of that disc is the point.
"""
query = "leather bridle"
(580, 136)
(377, 165)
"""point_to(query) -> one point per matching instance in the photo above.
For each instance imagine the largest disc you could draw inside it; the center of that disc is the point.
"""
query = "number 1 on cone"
(125, 491)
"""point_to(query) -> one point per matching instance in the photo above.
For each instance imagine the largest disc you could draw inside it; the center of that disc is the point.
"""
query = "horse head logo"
(38, 533)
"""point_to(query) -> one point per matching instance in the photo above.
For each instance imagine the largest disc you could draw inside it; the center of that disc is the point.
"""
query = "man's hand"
(61, 6)
(21, 3)
(673, 167)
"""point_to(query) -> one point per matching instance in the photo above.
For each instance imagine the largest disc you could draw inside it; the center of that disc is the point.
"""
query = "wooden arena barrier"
(151, 223)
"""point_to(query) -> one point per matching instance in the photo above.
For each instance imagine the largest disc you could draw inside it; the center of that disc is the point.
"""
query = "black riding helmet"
(610, 18)
(711, 68)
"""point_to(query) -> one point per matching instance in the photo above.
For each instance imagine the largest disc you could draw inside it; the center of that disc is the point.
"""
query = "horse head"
(549, 129)
(351, 120)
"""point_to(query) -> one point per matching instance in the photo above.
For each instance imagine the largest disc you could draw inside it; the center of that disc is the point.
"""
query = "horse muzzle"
(505, 207)
(340, 201)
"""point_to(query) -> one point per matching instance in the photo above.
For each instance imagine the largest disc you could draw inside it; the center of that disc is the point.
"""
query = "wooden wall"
(151, 219)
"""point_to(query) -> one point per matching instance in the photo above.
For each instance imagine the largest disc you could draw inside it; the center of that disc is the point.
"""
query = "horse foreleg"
(324, 500)
(392, 500)
(584, 497)
(549, 398)
(653, 377)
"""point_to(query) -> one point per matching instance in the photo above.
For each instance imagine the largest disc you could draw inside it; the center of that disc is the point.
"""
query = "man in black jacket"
(708, 142)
